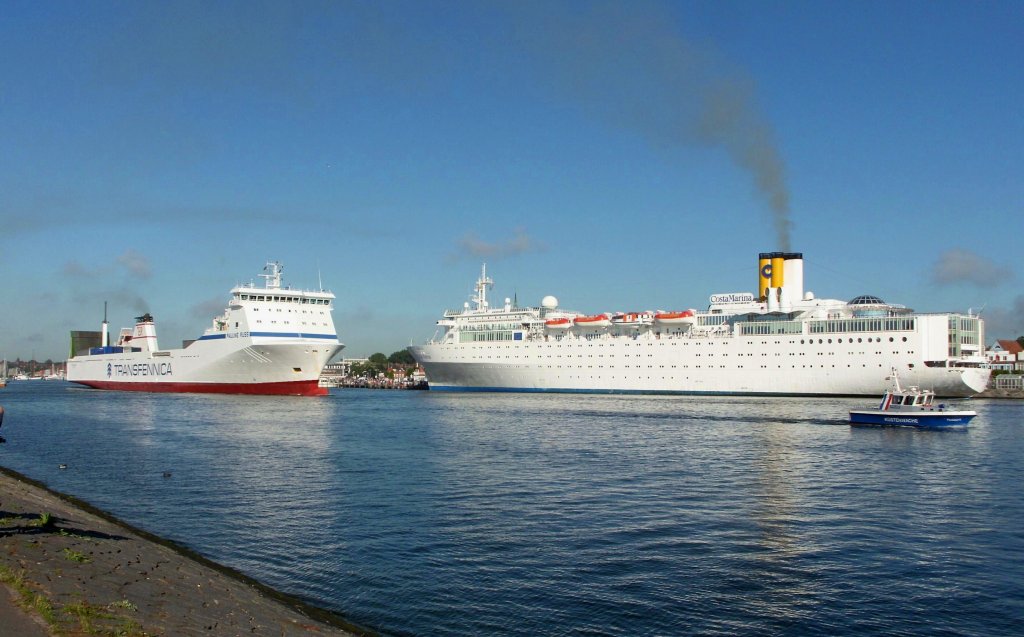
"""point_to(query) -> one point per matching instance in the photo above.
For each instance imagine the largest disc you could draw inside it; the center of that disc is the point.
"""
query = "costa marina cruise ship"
(269, 340)
(782, 341)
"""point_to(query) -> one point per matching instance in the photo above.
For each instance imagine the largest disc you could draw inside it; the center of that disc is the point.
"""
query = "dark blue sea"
(421, 513)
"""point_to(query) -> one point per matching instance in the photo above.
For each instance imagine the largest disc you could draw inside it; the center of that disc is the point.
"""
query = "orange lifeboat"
(598, 320)
(675, 318)
(558, 324)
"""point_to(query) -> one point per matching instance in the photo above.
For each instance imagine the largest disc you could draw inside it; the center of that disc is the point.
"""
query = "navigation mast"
(481, 288)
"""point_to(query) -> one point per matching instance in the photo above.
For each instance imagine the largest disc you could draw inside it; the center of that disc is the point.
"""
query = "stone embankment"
(72, 569)
(1002, 393)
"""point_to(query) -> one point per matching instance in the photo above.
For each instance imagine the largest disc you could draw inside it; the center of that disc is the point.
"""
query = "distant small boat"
(598, 320)
(910, 407)
(675, 318)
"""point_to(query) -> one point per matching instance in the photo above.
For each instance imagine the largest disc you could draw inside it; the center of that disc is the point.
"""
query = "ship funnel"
(144, 334)
(778, 269)
(104, 339)
(764, 274)
(794, 275)
(780, 279)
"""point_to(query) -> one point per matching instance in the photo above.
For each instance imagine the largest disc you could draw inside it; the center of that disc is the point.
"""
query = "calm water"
(419, 513)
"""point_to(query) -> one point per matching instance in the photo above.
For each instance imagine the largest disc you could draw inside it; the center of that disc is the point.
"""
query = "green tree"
(401, 357)
(379, 359)
(1020, 340)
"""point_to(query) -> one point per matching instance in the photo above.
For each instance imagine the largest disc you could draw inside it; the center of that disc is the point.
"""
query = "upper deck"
(273, 292)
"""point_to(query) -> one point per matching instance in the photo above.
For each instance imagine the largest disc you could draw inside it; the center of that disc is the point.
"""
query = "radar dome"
(549, 302)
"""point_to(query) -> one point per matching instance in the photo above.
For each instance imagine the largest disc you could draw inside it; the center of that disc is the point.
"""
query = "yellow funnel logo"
(766, 271)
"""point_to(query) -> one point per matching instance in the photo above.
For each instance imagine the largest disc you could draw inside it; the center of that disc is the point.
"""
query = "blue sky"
(617, 155)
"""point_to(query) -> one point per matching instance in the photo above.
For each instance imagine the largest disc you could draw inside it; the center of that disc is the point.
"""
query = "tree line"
(378, 363)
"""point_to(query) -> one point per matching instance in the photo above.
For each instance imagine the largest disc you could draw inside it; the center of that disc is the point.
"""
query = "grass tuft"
(75, 556)
(45, 521)
(125, 604)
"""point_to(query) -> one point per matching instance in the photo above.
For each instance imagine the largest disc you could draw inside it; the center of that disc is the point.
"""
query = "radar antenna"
(272, 280)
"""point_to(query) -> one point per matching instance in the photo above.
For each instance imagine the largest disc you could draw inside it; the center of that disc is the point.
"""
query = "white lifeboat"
(685, 317)
(558, 324)
(598, 320)
(631, 319)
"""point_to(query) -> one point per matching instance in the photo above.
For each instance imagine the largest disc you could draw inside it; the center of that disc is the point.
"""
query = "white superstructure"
(269, 340)
(781, 341)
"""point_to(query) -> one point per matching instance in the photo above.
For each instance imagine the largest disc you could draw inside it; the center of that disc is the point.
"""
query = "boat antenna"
(319, 280)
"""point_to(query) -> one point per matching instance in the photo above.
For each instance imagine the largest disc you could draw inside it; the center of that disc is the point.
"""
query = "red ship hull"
(296, 388)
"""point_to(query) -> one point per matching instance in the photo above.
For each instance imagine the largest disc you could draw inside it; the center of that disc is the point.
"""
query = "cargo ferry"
(781, 341)
(270, 339)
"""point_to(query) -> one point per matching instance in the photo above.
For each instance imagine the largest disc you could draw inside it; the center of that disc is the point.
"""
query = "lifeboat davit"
(685, 317)
(558, 324)
(599, 320)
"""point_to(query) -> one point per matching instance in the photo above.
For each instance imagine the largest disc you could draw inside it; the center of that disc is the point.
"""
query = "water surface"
(420, 513)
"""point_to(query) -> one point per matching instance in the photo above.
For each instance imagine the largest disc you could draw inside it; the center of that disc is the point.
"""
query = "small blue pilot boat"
(910, 407)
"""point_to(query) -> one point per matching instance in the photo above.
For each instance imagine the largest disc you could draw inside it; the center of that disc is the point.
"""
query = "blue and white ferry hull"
(931, 419)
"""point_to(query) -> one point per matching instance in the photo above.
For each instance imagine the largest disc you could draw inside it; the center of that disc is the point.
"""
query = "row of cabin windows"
(285, 299)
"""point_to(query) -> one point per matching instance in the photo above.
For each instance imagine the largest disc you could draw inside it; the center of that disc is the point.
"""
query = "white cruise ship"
(781, 341)
(269, 340)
